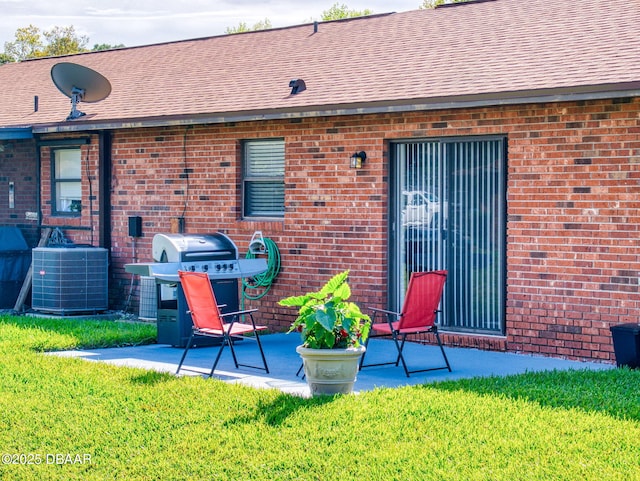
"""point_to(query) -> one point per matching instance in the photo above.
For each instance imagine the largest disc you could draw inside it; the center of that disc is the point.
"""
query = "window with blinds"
(66, 183)
(263, 178)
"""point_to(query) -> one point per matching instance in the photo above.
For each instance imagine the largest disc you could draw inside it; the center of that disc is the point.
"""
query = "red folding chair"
(418, 316)
(209, 321)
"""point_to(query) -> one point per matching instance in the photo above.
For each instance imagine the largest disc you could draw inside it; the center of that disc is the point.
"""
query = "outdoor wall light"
(358, 159)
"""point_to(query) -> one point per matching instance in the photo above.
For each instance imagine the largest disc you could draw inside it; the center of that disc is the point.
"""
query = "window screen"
(263, 180)
(66, 180)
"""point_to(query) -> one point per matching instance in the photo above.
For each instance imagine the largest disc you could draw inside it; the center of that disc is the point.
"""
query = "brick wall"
(335, 215)
(17, 165)
(82, 229)
(573, 227)
(572, 233)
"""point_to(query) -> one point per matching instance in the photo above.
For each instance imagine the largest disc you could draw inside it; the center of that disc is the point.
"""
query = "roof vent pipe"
(297, 85)
(315, 27)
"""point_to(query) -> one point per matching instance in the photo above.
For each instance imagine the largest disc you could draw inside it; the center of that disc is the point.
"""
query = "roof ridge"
(209, 37)
(460, 4)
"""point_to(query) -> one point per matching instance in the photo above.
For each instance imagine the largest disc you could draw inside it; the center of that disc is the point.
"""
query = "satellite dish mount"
(80, 84)
(76, 97)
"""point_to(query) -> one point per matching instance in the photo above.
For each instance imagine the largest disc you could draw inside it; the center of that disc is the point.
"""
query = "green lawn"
(77, 420)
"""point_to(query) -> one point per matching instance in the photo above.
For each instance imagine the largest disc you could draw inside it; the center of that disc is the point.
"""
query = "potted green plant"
(333, 332)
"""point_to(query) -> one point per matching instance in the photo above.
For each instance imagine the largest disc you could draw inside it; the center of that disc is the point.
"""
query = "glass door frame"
(396, 275)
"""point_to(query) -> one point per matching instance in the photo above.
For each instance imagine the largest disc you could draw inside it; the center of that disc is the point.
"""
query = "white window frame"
(66, 181)
(263, 178)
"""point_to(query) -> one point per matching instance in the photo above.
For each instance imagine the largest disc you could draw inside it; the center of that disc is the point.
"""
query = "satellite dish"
(80, 84)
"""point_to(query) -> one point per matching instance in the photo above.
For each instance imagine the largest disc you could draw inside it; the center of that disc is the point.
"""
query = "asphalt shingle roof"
(486, 51)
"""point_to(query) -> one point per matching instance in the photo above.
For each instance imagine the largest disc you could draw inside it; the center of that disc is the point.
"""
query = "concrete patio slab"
(283, 363)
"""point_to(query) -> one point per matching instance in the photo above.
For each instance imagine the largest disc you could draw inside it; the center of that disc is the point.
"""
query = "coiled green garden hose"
(262, 281)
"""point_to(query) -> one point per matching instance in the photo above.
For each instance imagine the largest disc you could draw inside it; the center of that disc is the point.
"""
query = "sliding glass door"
(448, 211)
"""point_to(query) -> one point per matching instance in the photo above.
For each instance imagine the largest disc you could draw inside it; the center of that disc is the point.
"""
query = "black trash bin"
(626, 344)
(15, 259)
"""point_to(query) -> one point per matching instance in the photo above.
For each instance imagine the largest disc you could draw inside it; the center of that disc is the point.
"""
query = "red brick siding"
(573, 227)
(330, 222)
(82, 229)
(572, 204)
(17, 165)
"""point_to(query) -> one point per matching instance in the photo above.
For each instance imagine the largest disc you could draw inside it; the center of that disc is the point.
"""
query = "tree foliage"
(97, 47)
(243, 27)
(27, 44)
(336, 12)
(339, 11)
(31, 42)
(64, 40)
(436, 3)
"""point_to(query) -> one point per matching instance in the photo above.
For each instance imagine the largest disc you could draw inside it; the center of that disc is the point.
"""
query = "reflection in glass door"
(448, 212)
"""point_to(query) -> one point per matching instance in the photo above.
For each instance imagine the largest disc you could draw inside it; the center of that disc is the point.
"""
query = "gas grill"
(217, 255)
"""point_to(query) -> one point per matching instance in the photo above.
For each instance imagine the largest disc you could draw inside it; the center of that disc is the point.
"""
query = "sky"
(144, 22)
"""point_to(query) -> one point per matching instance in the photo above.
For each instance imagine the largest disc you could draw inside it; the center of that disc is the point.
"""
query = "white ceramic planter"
(330, 371)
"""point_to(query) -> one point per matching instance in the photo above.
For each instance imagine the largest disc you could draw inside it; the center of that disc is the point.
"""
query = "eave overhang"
(566, 94)
(16, 133)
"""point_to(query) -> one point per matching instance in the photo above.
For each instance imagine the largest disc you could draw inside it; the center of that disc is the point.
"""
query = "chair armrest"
(390, 316)
(384, 311)
(235, 316)
(237, 313)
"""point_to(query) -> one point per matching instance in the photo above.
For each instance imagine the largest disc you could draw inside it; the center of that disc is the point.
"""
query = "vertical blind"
(263, 180)
(423, 214)
(450, 211)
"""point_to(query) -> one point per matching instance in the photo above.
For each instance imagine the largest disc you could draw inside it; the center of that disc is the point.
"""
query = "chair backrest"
(201, 300)
(422, 299)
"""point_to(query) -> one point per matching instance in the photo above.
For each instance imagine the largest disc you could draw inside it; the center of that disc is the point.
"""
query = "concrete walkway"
(283, 363)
